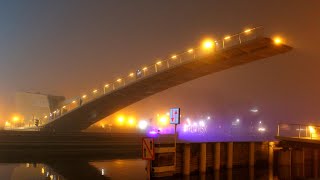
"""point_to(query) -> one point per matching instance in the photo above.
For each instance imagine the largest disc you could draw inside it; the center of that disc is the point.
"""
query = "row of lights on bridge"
(207, 44)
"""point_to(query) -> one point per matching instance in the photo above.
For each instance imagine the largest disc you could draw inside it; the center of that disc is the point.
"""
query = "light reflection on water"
(110, 169)
(27, 171)
(122, 169)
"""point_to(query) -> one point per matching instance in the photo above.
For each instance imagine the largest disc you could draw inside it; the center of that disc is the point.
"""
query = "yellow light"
(107, 85)
(73, 102)
(131, 74)
(145, 68)
(84, 96)
(312, 129)
(45, 117)
(207, 44)
(102, 125)
(159, 63)
(277, 40)
(131, 121)
(15, 118)
(95, 91)
(63, 107)
(120, 120)
(42, 170)
(7, 123)
(227, 37)
(119, 80)
(174, 57)
(190, 51)
(247, 30)
(163, 120)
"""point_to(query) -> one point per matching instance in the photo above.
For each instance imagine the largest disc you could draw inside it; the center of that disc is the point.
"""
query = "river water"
(117, 169)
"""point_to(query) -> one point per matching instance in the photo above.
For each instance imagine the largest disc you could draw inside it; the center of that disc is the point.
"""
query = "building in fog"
(32, 106)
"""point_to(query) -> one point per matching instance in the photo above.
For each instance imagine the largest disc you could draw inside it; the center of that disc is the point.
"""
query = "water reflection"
(129, 169)
(75, 169)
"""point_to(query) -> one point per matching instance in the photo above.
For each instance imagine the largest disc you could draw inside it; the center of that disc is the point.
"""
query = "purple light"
(152, 132)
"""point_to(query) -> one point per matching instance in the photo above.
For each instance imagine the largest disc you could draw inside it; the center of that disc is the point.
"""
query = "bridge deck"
(97, 109)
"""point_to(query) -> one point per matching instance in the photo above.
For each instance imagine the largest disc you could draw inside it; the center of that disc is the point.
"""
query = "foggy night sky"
(71, 47)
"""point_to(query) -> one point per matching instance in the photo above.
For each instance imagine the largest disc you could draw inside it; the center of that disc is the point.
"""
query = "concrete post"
(216, 175)
(297, 159)
(230, 155)
(270, 157)
(251, 154)
(284, 164)
(203, 158)
(186, 159)
(270, 173)
(229, 174)
(315, 163)
(217, 156)
(284, 158)
(251, 173)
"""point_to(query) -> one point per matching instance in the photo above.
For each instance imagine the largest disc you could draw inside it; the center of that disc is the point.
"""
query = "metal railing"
(147, 71)
(302, 131)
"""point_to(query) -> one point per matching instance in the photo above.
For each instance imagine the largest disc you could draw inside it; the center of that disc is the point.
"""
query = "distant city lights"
(254, 110)
(199, 126)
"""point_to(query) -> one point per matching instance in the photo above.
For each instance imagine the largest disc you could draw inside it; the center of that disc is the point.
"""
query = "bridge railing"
(159, 66)
(301, 131)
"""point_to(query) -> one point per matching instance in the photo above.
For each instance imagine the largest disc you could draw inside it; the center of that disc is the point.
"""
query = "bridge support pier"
(186, 159)
(216, 165)
(251, 154)
(251, 173)
(203, 158)
(230, 155)
(315, 163)
(284, 160)
(297, 158)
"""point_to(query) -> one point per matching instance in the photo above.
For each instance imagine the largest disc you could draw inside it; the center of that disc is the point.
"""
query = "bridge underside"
(91, 112)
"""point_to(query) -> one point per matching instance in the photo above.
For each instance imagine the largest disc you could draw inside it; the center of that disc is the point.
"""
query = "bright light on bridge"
(277, 40)
(174, 57)
(131, 121)
(227, 37)
(207, 44)
(247, 31)
(312, 129)
(120, 120)
(190, 50)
